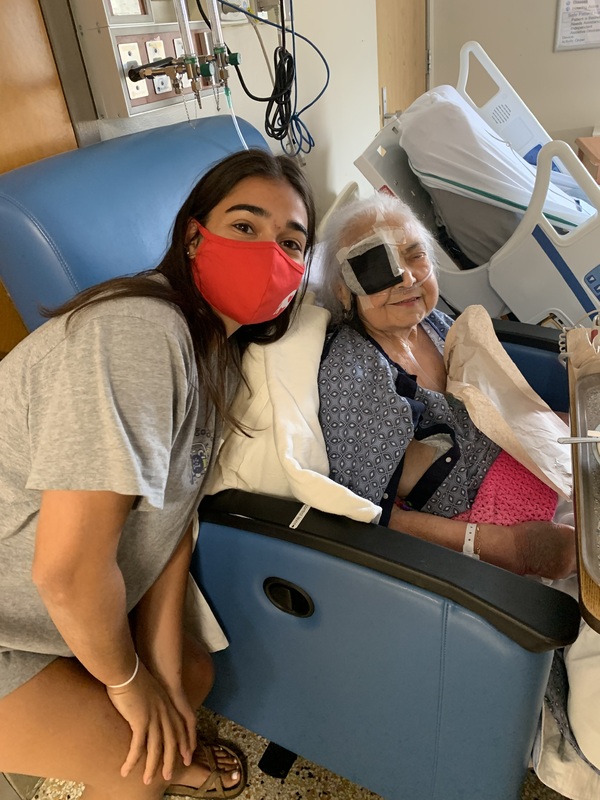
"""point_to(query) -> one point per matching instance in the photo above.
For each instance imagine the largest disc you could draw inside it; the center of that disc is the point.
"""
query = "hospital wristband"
(127, 682)
(471, 546)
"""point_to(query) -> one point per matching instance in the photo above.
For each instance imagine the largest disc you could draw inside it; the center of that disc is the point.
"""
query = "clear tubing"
(234, 118)
(183, 23)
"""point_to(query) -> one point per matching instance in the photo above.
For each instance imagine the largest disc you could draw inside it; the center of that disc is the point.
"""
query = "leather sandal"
(213, 785)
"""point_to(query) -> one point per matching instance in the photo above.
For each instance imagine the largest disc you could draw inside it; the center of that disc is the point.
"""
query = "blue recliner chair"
(401, 665)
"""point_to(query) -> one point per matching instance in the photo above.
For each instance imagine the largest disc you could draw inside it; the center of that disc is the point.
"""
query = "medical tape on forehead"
(379, 269)
(380, 235)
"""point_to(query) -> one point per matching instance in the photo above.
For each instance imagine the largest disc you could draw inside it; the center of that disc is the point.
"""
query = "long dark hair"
(206, 328)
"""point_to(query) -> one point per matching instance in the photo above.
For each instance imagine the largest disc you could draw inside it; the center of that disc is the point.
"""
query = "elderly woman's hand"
(546, 549)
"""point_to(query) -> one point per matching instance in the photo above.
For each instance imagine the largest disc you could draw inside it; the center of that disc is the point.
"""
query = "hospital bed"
(407, 668)
(539, 275)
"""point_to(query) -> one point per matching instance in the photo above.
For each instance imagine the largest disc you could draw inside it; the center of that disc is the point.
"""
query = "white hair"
(379, 206)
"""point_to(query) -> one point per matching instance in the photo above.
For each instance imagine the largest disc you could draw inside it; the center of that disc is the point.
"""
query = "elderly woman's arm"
(529, 548)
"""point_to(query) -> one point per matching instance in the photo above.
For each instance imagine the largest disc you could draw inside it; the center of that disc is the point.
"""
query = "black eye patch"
(374, 270)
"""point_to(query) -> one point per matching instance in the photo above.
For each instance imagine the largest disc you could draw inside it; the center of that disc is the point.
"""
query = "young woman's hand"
(159, 732)
(179, 699)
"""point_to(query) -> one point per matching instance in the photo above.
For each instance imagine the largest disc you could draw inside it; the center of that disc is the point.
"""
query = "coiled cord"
(278, 114)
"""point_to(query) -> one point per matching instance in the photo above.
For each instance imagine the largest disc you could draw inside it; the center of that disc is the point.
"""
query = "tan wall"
(12, 329)
(560, 88)
(34, 121)
(401, 52)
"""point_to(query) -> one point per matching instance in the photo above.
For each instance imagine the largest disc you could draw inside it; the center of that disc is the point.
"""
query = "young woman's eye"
(243, 227)
(290, 244)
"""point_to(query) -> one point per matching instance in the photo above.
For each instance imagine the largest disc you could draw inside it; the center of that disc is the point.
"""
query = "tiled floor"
(304, 782)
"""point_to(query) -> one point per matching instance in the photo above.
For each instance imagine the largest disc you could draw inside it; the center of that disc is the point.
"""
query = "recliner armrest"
(534, 615)
(525, 333)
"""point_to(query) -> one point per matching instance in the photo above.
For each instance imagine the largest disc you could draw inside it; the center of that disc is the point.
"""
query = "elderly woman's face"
(405, 304)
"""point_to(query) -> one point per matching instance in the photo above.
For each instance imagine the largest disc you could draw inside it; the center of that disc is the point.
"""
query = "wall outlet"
(272, 6)
(162, 84)
(130, 57)
(156, 51)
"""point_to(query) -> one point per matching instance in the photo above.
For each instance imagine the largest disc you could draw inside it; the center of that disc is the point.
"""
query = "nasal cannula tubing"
(234, 118)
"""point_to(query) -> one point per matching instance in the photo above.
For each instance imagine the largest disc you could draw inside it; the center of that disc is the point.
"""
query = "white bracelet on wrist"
(469, 548)
(127, 682)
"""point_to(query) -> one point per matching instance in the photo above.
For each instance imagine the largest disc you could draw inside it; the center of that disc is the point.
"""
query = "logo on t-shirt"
(201, 450)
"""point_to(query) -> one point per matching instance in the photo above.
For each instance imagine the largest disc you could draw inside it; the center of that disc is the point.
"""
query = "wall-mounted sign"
(577, 24)
(127, 8)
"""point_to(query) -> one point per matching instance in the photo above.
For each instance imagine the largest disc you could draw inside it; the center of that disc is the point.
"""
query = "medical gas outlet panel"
(116, 35)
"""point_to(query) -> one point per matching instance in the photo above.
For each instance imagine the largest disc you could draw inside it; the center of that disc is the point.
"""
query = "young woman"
(109, 418)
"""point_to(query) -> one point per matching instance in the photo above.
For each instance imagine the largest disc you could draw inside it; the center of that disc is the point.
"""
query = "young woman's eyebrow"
(297, 227)
(262, 212)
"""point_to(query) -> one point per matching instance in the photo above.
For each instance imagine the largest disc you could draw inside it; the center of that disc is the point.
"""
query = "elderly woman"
(380, 441)
(392, 435)
(395, 438)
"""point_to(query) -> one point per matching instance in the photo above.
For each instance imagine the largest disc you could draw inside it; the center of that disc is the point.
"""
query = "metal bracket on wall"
(71, 69)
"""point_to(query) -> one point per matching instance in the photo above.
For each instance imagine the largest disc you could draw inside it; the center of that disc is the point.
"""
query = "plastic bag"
(501, 402)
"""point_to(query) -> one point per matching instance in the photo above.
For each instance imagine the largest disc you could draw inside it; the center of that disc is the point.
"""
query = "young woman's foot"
(215, 771)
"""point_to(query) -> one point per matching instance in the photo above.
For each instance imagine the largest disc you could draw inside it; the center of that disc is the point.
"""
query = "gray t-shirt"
(109, 403)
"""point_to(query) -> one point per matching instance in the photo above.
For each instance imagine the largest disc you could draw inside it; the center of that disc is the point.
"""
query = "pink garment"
(511, 494)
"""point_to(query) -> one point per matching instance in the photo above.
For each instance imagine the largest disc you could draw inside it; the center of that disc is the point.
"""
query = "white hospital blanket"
(286, 455)
(451, 147)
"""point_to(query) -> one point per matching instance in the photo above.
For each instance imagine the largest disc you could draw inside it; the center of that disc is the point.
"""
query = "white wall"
(560, 88)
(342, 122)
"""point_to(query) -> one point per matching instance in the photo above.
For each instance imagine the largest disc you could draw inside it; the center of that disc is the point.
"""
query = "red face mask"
(249, 282)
